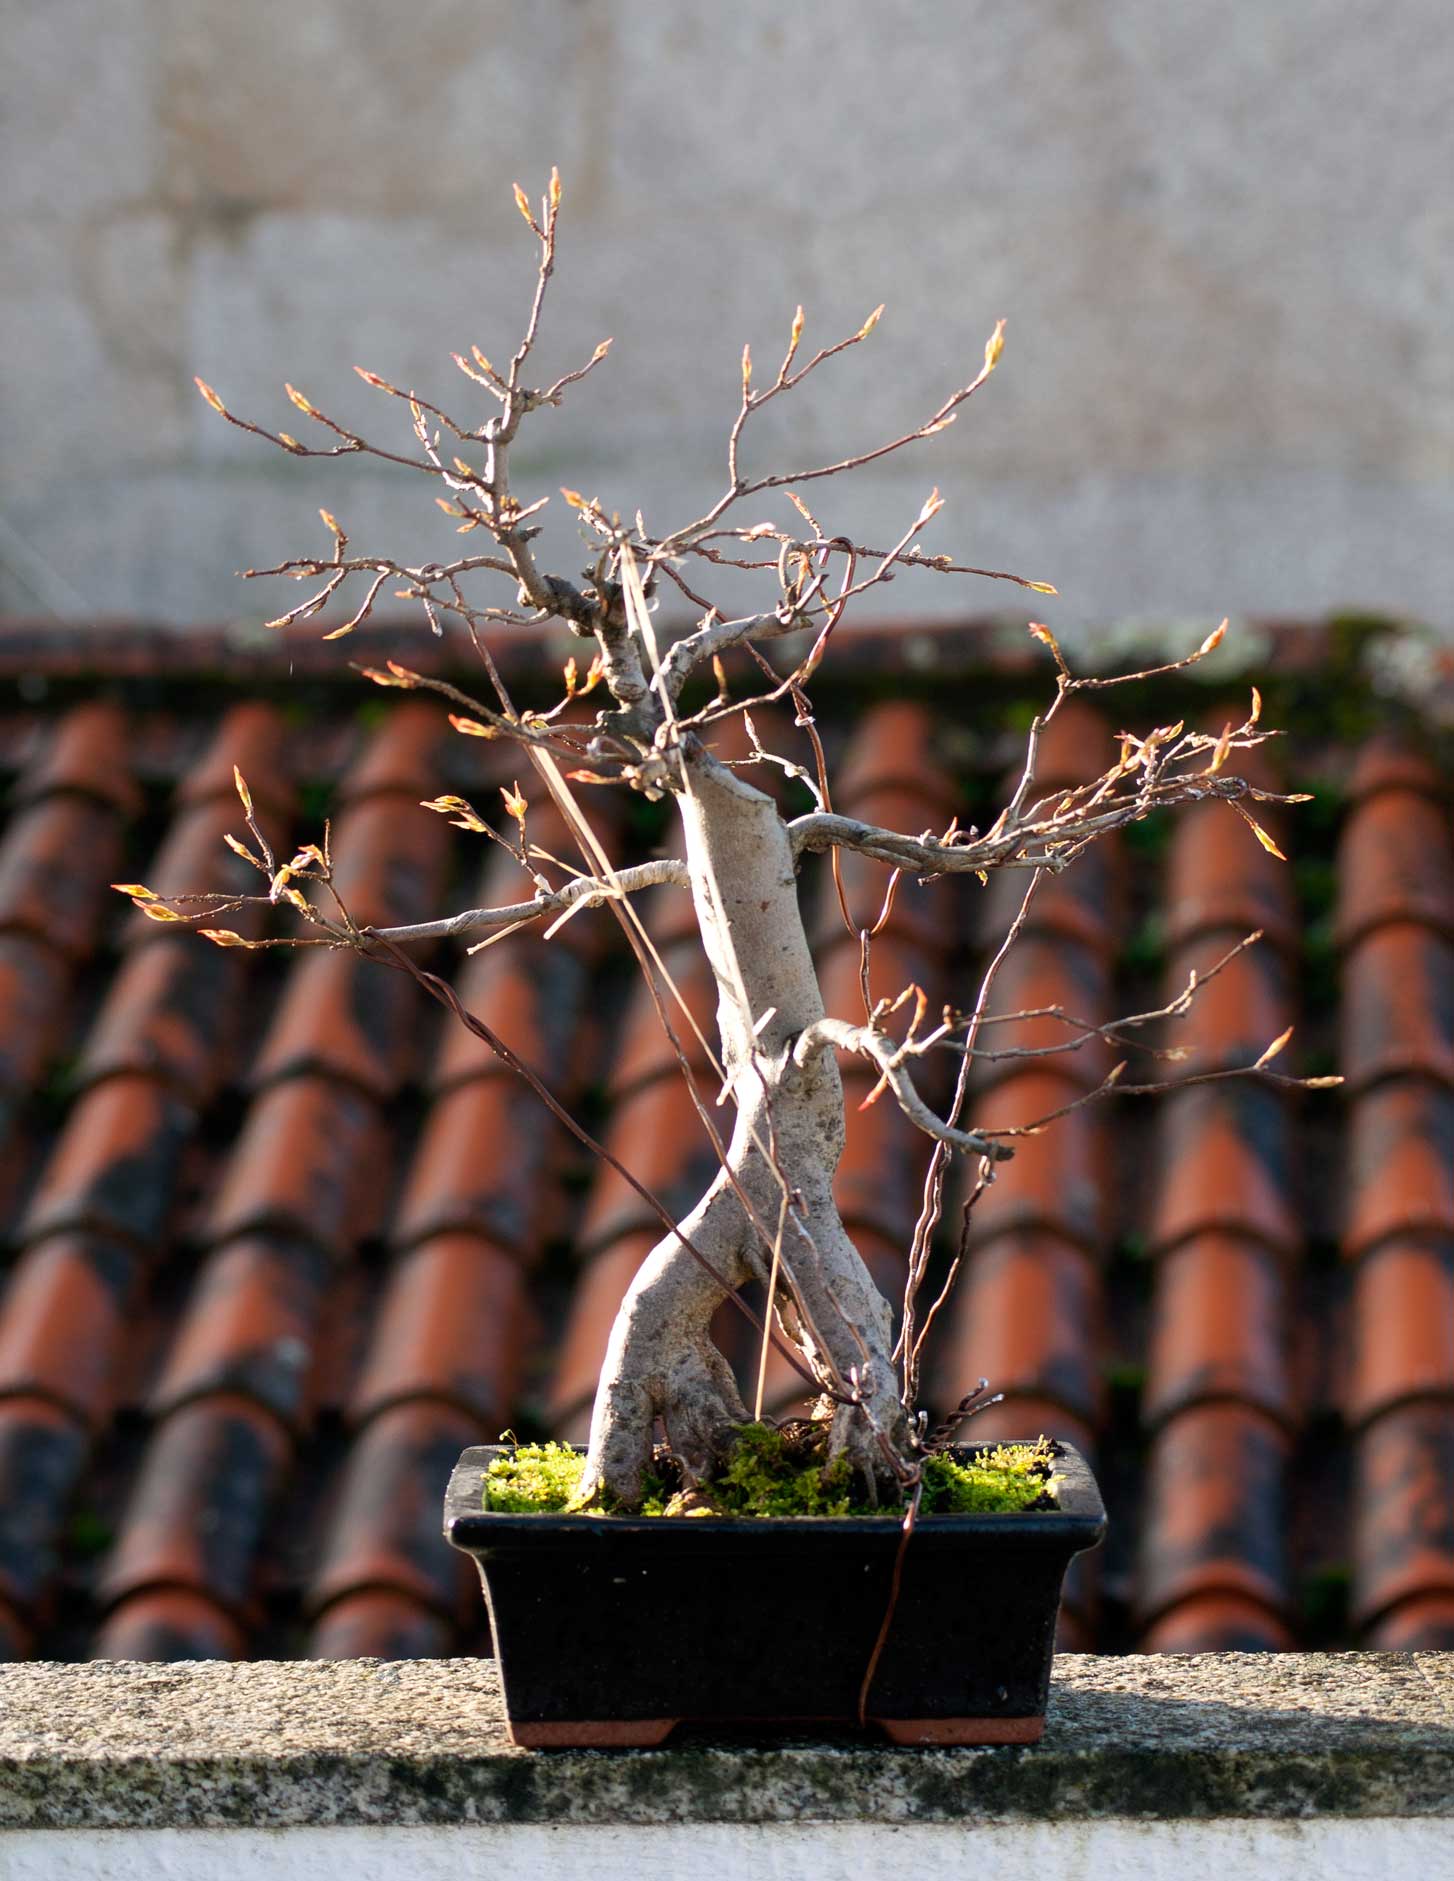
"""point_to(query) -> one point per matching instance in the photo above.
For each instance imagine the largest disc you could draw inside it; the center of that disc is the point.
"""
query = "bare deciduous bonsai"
(769, 1214)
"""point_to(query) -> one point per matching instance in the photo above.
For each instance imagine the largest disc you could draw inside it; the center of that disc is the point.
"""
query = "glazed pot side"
(610, 1630)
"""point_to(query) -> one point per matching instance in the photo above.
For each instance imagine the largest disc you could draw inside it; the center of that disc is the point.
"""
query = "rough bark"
(660, 1362)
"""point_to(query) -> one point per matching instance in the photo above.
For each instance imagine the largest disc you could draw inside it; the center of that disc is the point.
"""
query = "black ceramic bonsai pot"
(613, 1629)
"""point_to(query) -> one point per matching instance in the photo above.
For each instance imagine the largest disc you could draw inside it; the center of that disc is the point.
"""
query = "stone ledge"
(331, 1743)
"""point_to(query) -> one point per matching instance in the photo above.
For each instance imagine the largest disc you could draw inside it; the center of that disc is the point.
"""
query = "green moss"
(768, 1474)
(776, 1472)
(1006, 1480)
(534, 1479)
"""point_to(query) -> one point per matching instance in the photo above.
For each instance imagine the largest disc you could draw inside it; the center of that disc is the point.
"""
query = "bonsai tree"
(642, 714)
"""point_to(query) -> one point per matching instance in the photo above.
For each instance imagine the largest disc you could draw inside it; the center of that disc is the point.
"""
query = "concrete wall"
(1223, 237)
(1072, 1851)
(1154, 1767)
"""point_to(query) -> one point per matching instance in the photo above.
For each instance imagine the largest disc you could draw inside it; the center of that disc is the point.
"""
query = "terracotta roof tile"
(1387, 760)
(1043, 972)
(1220, 881)
(1078, 744)
(1072, 1633)
(776, 722)
(644, 1052)
(249, 1327)
(451, 1327)
(385, 1531)
(666, 913)
(1215, 1521)
(1237, 1013)
(893, 964)
(657, 1133)
(533, 994)
(1225, 1165)
(404, 756)
(1398, 1007)
(168, 1624)
(476, 1168)
(251, 738)
(64, 1316)
(548, 834)
(1085, 904)
(33, 983)
(927, 913)
(306, 1163)
(114, 1169)
(1218, 1623)
(881, 1175)
(378, 1623)
(1217, 1328)
(1402, 1327)
(200, 1506)
(893, 748)
(1400, 1165)
(87, 756)
(1423, 1624)
(1393, 865)
(344, 1018)
(388, 860)
(56, 862)
(1026, 1316)
(1057, 1180)
(42, 1455)
(889, 775)
(1403, 1529)
(175, 1013)
(203, 1343)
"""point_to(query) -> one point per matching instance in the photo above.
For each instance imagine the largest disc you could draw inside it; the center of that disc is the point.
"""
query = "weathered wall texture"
(1223, 236)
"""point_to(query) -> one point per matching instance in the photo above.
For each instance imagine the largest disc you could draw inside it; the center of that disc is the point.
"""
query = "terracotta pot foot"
(963, 1730)
(592, 1733)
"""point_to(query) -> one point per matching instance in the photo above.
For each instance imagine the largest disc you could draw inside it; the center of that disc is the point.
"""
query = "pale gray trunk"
(661, 1363)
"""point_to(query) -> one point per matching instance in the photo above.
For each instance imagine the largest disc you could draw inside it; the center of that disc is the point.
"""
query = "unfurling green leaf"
(1259, 832)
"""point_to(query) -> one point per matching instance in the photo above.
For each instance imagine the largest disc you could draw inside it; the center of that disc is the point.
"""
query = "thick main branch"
(787, 1138)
